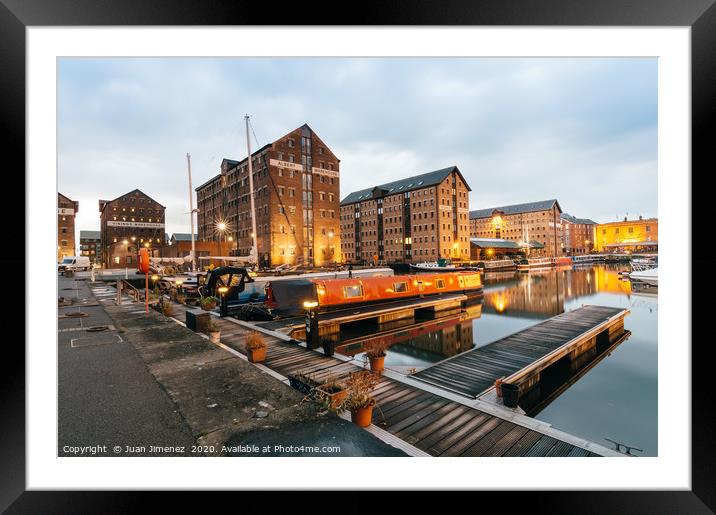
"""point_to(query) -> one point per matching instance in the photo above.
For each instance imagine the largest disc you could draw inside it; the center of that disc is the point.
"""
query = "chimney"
(640, 217)
(625, 218)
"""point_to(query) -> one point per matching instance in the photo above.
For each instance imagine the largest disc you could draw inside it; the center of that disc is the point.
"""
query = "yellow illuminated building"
(640, 235)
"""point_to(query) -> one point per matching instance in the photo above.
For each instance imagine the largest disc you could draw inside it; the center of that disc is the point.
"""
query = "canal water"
(613, 396)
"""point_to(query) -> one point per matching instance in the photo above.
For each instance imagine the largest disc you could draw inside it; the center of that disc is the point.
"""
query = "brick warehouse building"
(66, 211)
(411, 220)
(296, 183)
(90, 245)
(127, 222)
(577, 234)
(534, 222)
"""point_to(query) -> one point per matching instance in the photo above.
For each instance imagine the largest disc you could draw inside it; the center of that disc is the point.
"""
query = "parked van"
(74, 263)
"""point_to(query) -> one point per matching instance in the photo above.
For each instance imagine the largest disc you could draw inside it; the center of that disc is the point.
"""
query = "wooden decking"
(520, 357)
(428, 421)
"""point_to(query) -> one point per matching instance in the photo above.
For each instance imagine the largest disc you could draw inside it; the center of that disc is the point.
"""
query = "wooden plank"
(430, 424)
(443, 431)
(542, 447)
(397, 425)
(578, 452)
(499, 446)
(455, 446)
(405, 409)
(523, 444)
(560, 449)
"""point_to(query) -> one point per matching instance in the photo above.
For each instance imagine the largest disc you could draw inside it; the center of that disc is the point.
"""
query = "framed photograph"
(319, 257)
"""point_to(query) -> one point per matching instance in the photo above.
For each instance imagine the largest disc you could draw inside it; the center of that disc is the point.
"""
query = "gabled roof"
(89, 235)
(575, 220)
(410, 183)
(184, 236)
(103, 203)
(514, 209)
(232, 163)
(494, 243)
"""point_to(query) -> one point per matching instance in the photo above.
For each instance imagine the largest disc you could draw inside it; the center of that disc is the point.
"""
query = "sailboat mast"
(254, 247)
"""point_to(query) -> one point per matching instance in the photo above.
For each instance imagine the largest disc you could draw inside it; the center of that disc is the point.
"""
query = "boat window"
(350, 292)
(439, 283)
(400, 287)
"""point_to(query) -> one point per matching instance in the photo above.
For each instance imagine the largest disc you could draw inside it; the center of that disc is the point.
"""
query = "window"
(291, 143)
(350, 292)
(631, 229)
(648, 228)
(401, 287)
(440, 283)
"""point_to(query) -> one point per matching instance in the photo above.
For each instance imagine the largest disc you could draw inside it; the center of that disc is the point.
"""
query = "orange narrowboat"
(287, 297)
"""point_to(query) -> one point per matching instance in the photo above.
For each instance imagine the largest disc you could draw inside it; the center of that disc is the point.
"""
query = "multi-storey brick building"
(66, 212)
(90, 245)
(640, 235)
(577, 234)
(296, 184)
(525, 223)
(126, 223)
(411, 220)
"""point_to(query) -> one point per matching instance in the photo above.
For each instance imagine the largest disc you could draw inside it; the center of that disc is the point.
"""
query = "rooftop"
(89, 235)
(576, 220)
(497, 243)
(515, 209)
(184, 236)
(402, 185)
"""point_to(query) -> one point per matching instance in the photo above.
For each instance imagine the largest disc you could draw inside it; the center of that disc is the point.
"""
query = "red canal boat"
(287, 297)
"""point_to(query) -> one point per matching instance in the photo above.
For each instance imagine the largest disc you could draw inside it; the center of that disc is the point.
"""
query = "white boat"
(498, 264)
(441, 265)
(650, 276)
(545, 262)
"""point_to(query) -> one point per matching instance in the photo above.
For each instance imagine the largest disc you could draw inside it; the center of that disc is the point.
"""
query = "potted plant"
(359, 400)
(208, 303)
(214, 333)
(167, 308)
(375, 353)
(331, 394)
(255, 347)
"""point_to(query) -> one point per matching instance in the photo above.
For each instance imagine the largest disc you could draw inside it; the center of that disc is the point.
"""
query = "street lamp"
(311, 323)
(223, 308)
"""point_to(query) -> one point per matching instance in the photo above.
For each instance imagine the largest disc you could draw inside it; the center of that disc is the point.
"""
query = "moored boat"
(441, 265)
(650, 276)
(526, 264)
(287, 297)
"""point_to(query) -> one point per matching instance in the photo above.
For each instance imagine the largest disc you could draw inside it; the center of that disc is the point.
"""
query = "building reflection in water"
(429, 341)
(542, 293)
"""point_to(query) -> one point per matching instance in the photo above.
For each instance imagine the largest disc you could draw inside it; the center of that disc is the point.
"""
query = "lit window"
(354, 291)
(400, 287)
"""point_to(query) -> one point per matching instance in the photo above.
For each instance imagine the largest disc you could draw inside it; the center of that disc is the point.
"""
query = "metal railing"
(131, 290)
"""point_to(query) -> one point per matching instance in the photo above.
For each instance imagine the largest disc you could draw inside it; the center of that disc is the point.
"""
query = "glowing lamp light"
(310, 304)
(221, 226)
(179, 283)
(223, 289)
(155, 277)
(125, 242)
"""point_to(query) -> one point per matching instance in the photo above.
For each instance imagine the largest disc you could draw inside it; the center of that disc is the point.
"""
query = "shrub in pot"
(375, 351)
(167, 308)
(214, 333)
(303, 382)
(255, 347)
(359, 400)
(331, 394)
(208, 303)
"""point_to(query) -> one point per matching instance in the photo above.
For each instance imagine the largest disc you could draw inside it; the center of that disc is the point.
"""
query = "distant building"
(533, 222)
(419, 218)
(90, 245)
(498, 248)
(577, 234)
(296, 184)
(128, 222)
(66, 211)
(182, 236)
(640, 235)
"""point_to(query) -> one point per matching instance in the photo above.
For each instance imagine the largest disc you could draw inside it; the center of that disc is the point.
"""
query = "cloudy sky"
(583, 130)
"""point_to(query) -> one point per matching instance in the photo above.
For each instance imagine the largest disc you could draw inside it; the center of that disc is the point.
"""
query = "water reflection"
(611, 394)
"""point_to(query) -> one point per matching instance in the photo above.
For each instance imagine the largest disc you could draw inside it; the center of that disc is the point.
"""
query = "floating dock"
(421, 419)
(520, 357)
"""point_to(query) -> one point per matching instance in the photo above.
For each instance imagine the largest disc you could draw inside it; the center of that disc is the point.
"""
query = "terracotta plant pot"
(208, 307)
(362, 416)
(168, 311)
(257, 355)
(498, 387)
(333, 395)
(214, 336)
(377, 364)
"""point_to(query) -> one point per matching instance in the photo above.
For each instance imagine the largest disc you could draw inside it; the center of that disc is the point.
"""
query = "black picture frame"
(699, 15)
